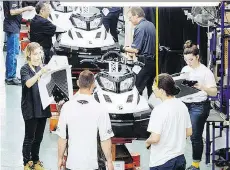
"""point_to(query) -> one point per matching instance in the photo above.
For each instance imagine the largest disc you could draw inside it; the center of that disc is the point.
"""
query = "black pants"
(110, 23)
(178, 163)
(34, 130)
(146, 77)
(47, 55)
(199, 113)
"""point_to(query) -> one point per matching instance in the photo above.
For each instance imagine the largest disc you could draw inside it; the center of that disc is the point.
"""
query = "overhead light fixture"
(153, 4)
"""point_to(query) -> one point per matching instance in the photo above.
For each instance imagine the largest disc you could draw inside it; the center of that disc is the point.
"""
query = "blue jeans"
(199, 113)
(178, 163)
(11, 56)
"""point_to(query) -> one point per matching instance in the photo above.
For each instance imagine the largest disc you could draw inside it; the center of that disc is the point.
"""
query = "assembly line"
(90, 87)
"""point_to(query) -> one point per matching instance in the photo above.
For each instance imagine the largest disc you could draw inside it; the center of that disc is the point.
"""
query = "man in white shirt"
(82, 118)
(169, 126)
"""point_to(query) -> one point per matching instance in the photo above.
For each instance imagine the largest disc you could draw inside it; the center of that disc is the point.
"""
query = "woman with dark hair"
(198, 103)
(169, 126)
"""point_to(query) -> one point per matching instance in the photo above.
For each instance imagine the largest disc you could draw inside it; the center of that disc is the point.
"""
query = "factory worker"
(80, 121)
(169, 126)
(198, 103)
(33, 114)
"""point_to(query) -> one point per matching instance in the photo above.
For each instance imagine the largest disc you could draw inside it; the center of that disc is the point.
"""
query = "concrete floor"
(12, 134)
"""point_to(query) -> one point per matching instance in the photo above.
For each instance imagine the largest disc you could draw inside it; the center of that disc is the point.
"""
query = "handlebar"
(94, 61)
(112, 52)
(103, 61)
(121, 60)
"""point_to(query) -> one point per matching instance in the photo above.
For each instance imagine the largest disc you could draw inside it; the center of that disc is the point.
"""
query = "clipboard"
(185, 89)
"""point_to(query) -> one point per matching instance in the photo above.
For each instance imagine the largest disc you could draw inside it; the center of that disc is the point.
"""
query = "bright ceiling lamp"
(154, 4)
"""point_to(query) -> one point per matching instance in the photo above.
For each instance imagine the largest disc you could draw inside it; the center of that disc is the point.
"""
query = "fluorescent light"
(153, 4)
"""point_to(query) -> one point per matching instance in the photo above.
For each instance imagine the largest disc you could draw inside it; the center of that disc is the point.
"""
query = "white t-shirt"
(83, 121)
(169, 119)
(204, 76)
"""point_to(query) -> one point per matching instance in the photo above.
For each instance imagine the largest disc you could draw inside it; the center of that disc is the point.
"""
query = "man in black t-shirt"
(12, 26)
(42, 30)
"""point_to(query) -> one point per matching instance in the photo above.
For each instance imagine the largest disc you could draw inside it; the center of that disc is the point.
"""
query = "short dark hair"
(166, 82)
(86, 79)
(137, 11)
(190, 48)
(39, 6)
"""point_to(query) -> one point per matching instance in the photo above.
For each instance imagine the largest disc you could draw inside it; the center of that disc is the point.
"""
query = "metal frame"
(224, 93)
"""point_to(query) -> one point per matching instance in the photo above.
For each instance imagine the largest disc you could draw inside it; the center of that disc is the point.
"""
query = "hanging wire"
(157, 46)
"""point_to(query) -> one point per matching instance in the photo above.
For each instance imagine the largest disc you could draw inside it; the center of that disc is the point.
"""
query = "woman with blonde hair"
(33, 114)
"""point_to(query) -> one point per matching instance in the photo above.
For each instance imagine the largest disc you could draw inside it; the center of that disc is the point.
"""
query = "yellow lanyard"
(157, 46)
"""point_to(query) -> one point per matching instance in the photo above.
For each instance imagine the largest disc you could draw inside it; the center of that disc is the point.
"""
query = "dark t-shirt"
(12, 23)
(42, 31)
(144, 38)
(31, 102)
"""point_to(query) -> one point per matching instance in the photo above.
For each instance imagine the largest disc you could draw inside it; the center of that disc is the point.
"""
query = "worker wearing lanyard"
(169, 126)
(143, 44)
(31, 105)
(198, 104)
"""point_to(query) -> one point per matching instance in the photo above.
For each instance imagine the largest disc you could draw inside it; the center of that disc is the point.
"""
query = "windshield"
(56, 5)
(87, 11)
